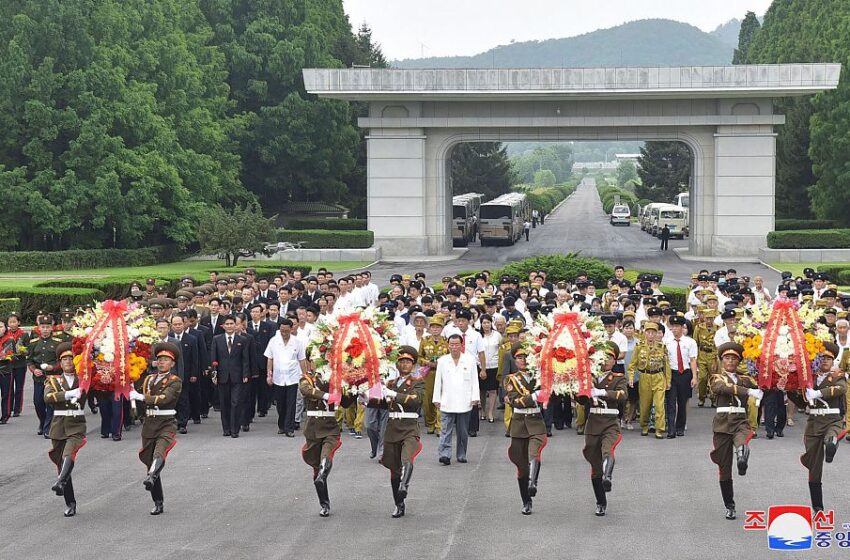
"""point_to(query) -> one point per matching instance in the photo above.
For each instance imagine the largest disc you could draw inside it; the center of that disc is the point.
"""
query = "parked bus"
(683, 200)
(502, 219)
(465, 218)
(674, 217)
(644, 217)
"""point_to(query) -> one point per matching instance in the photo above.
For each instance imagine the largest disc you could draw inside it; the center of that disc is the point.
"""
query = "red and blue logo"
(789, 527)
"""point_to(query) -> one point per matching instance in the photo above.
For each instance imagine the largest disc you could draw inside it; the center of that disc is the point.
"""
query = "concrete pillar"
(745, 179)
(396, 191)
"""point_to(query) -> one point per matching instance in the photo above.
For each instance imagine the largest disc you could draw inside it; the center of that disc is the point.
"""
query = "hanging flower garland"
(567, 350)
(353, 350)
(112, 346)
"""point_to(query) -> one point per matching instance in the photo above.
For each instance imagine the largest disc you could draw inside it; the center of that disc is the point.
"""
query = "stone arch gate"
(723, 113)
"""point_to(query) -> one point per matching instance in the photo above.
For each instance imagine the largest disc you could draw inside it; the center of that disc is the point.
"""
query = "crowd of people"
(237, 346)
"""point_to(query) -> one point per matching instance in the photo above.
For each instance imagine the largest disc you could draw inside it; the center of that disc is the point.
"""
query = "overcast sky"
(411, 28)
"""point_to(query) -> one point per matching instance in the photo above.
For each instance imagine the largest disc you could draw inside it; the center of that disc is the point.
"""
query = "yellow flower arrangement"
(814, 346)
(138, 365)
(752, 347)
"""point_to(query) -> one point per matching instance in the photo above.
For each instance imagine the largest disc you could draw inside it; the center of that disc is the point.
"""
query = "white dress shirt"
(622, 343)
(456, 385)
(689, 350)
(286, 357)
(491, 348)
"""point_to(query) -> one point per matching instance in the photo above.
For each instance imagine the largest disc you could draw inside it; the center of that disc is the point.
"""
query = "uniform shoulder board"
(618, 374)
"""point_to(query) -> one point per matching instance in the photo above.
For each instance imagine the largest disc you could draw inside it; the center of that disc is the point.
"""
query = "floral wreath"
(353, 350)
(567, 351)
(112, 345)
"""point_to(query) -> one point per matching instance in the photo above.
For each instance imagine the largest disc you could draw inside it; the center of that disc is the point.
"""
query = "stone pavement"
(252, 498)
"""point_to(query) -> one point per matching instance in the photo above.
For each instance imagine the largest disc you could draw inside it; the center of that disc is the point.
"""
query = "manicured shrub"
(328, 239)
(809, 239)
(25, 261)
(326, 223)
(793, 224)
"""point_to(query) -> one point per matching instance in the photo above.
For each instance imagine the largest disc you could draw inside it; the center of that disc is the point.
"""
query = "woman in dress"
(490, 385)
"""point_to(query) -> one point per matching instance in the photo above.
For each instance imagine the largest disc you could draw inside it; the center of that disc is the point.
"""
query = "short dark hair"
(455, 335)
(285, 322)
(228, 318)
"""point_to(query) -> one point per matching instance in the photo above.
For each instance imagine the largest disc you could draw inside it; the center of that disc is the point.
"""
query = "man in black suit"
(214, 319)
(312, 294)
(262, 331)
(189, 371)
(207, 392)
(274, 317)
(230, 355)
(265, 294)
(286, 302)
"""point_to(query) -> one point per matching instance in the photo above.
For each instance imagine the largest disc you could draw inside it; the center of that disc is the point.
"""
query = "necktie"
(179, 337)
(463, 344)
(681, 362)
(229, 343)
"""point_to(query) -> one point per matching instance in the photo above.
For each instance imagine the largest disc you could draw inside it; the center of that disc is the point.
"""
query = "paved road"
(252, 498)
(579, 225)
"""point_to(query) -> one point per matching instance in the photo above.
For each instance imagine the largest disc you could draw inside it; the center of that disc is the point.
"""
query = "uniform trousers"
(651, 390)
(5, 395)
(775, 413)
(599, 447)
(111, 416)
(376, 422)
(429, 411)
(19, 378)
(43, 410)
(724, 448)
(677, 401)
(353, 416)
(523, 450)
(707, 366)
(452, 422)
(397, 453)
(559, 411)
(814, 441)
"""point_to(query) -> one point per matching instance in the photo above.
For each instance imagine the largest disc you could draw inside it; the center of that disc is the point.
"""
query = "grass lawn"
(199, 269)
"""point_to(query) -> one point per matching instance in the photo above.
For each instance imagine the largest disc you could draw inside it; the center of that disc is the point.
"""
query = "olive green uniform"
(824, 423)
(706, 359)
(602, 430)
(159, 430)
(653, 364)
(68, 429)
(430, 350)
(322, 433)
(731, 429)
(528, 434)
(401, 437)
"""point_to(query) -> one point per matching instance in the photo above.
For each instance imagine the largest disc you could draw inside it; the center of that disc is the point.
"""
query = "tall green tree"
(557, 158)
(114, 126)
(626, 171)
(749, 27)
(295, 147)
(481, 167)
(234, 232)
(664, 171)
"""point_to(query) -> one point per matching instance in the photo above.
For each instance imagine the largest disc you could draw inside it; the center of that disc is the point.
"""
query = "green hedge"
(833, 270)
(8, 305)
(26, 261)
(546, 198)
(560, 267)
(792, 224)
(328, 239)
(112, 287)
(608, 194)
(678, 297)
(326, 223)
(33, 300)
(809, 239)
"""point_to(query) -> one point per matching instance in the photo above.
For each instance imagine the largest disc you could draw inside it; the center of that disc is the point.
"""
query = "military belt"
(708, 348)
(321, 413)
(651, 372)
(731, 409)
(166, 412)
(823, 411)
(69, 413)
(526, 410)
(400, 415)
(607, 411)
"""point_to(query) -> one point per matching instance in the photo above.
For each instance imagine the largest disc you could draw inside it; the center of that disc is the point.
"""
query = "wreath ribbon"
(784, 314)
(339, 369)
(571, 323)
(113, 318)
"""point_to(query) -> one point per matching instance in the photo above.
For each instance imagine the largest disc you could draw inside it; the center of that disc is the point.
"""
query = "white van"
(620, 214)
(674, 217)
(646, 213)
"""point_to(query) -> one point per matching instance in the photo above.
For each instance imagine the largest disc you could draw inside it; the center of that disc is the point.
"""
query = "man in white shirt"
(455, 394)
(682, 353)
(618, 338)
(472, 345)
(287, 362)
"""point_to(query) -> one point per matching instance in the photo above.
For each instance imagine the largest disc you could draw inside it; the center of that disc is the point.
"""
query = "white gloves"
(136, 396)
(811, 394)
(594, 392)
(73, 394)
(389, 393)
(325, 397)
(757, 394)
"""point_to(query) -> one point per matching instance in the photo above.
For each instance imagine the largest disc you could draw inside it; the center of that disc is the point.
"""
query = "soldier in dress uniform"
(41, 360)
(707, 355)
(527, 428)
(651, 360)
(322, 434)
(602, 431)
(731, 428)
(68, 428)
(401, 440)
(507, 366)
(160, 393)
(824, 427)
(432, 346)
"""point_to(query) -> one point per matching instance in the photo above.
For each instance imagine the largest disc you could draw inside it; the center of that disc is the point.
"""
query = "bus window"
(459, 212)
(495, 212)
(672, 215)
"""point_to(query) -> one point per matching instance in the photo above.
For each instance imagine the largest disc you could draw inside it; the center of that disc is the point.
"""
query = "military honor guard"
(404, 396)
(650, 359)
(731, 428)
(602, 430)
(161, 391)
(322, 434)
(824, 427)
(68, 428)
(527, 428)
